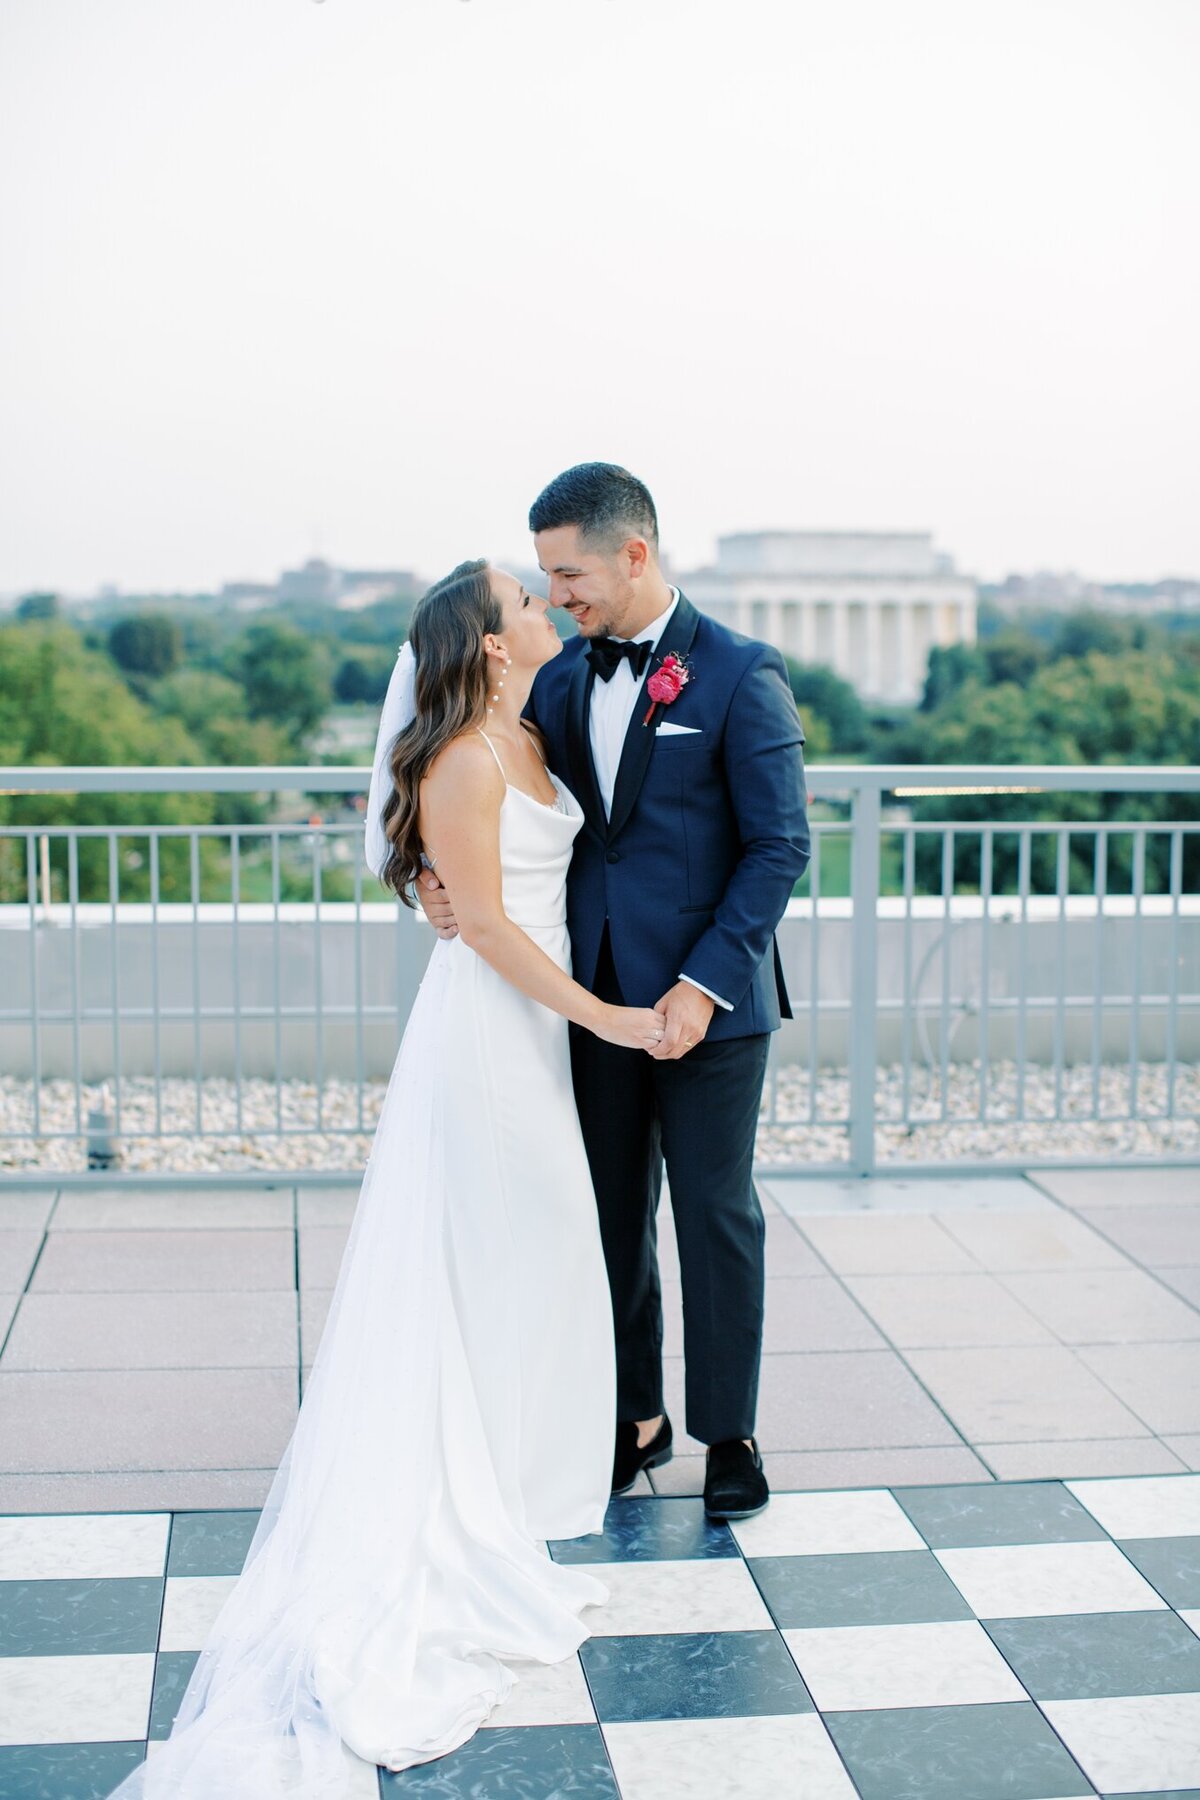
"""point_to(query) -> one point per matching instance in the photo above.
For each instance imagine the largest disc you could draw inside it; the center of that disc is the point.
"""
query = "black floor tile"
(1091, 1656)
(873, 1587)
(80, 1618)
(537, 1762)
(643, 1529)
(210, 1543)
(172, 1672)
(1005, 1752)
(1170, 1564)
(66, 1771)
(692, 1675)
(1017, 1512)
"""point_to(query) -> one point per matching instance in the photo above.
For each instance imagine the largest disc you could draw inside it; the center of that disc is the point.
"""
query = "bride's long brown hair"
(447, 633)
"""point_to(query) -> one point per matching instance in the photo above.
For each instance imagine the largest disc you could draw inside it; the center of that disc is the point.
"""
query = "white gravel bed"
(793, 1131)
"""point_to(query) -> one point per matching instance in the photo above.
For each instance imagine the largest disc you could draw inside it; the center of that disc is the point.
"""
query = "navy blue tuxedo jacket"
(708, 831)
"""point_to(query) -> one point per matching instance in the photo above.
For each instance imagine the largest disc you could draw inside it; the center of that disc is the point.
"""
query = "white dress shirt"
(611, 709)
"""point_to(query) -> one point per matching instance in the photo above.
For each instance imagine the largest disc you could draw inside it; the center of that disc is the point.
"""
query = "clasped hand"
(667, 1032)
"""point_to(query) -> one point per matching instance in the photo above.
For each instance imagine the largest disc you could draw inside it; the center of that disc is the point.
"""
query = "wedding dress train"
(461, 1407)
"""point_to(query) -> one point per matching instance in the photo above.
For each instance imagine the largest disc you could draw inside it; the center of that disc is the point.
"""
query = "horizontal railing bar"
(823, 778)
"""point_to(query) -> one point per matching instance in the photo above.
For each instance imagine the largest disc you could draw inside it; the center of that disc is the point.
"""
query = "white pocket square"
(667, 730)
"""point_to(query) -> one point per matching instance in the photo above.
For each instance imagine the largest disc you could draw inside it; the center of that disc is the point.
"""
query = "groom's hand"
(435, 904)
(688, 1014)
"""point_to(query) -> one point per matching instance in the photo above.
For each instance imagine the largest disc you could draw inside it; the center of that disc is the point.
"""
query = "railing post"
(864, 985)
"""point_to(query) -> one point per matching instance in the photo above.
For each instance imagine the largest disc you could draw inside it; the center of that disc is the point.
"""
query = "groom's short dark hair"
(606, 502)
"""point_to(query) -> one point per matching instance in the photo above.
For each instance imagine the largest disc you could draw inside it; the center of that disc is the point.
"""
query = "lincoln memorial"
(869, 604)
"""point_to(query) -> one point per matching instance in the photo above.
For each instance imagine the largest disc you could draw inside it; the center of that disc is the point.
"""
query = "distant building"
(868, 604)
(318, 581)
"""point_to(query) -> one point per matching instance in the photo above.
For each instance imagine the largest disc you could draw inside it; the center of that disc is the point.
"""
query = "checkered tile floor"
(1025, 1640)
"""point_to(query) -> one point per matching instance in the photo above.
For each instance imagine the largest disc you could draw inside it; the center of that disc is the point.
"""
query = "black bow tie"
(606, 654)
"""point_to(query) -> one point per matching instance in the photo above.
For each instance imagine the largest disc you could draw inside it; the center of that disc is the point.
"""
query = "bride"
(462, 1404)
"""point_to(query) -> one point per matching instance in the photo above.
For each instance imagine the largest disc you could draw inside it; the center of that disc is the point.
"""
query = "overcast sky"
(361, 276)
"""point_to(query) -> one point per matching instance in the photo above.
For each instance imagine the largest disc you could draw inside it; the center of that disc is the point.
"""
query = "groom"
(692, 786)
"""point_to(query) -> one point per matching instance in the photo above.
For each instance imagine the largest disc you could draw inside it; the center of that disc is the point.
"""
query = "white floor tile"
(828, 1525)
(546, 1694)
(1145, 1743)
(82, 1546)
(74, 1699)
(1143, 1506)
(190, 1608)
(678, 1596)
(849, 1668)
(727, 1759)
(1025, 1581)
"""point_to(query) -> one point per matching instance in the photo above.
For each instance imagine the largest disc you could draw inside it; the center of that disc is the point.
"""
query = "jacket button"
(614, 856)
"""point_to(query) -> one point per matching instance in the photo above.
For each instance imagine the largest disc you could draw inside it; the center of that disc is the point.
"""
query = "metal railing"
(245, 985)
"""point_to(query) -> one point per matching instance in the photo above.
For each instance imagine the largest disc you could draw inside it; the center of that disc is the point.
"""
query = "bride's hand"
(631, 1027)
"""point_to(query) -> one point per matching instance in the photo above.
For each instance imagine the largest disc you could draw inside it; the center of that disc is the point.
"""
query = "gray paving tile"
(146, 1419)
(803, 1313)
(326, 1205)
(787, 1253)
(886, 1244)
(18, 1250)
(1161, 1237)
(945, 1310)
(1187, 1449)
(321, 1251)
(846, 1400)
(1121, 1187)
(828, 1400)
(1105, 1306)
(1185, 1282)
(314, 1310)
(132, 1261)
(166, 1209)
(1091, 1656)
(1038, 1512)
(804, 1470)
(23, 1209)
(8, 1308)
(154, 1331)
(1043, 1240)
(1068, 1459)
(1022, 1394)
(158, 1490)
(914, 1194)
(1159, 1382)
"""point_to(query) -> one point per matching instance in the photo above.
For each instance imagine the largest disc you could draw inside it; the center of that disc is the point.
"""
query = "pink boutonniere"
(666, 684)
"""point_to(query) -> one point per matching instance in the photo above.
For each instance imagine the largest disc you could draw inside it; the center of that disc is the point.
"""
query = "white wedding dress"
(461, 1408)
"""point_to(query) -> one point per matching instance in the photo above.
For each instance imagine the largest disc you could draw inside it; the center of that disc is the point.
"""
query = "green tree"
(830, 709)
(363, 678)
(62, 703)
(951, 667)
(149, 644)
(38, 606)
(285, 677)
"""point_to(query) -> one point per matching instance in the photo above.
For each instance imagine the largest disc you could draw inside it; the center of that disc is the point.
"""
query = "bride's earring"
(495, 700)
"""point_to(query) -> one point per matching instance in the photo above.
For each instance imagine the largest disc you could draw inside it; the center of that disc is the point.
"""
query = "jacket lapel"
(579, 750)
(639, 738)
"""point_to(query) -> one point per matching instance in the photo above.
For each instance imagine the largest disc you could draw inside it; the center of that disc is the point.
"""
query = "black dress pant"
(699, 1116)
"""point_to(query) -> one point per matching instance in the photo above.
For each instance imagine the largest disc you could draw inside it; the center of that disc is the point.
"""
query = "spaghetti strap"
(487, 740)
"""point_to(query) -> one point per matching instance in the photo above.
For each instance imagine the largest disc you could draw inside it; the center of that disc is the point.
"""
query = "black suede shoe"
(734, 1484)
(629, 1461)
